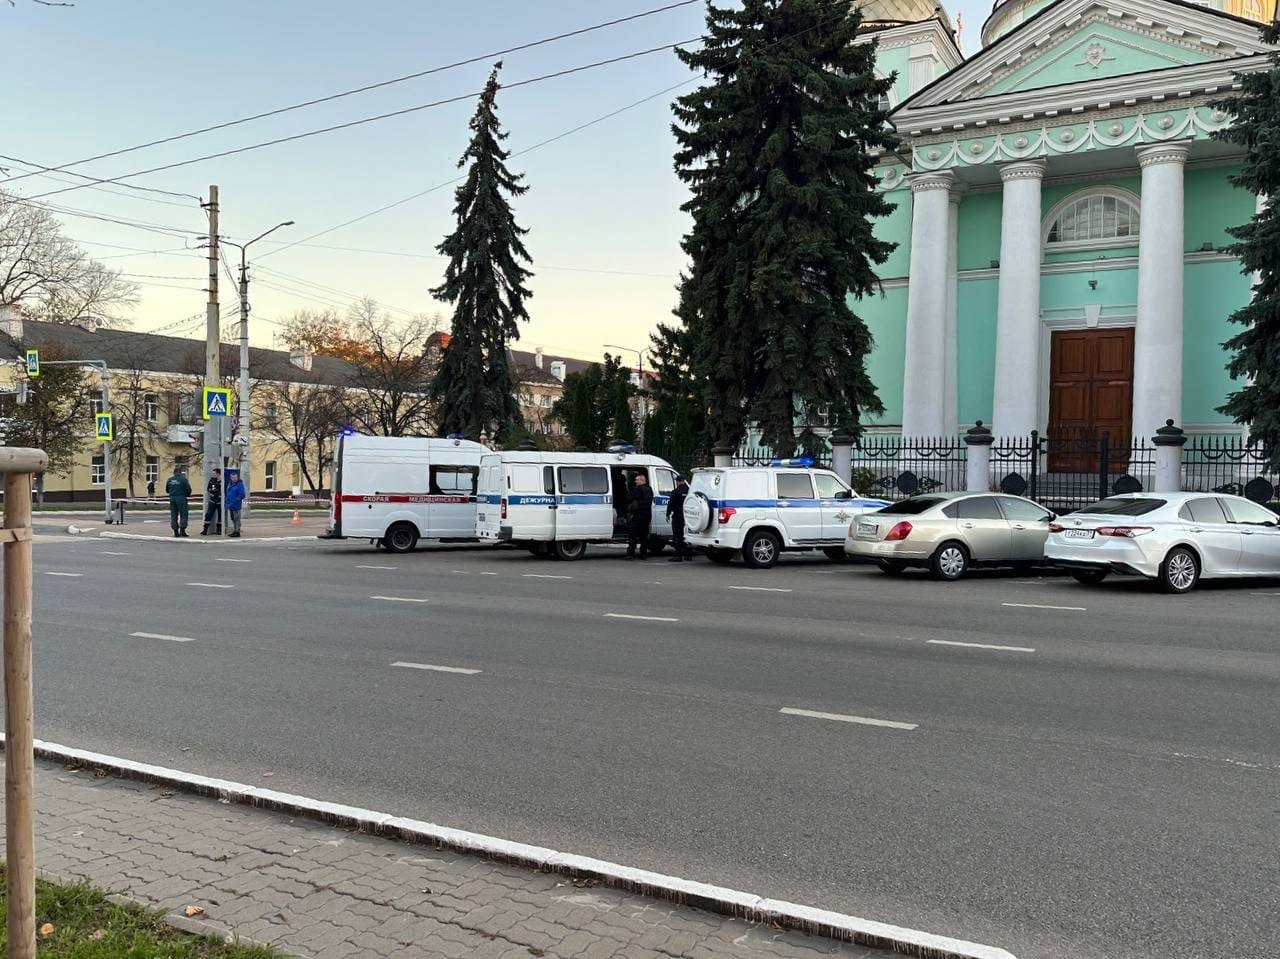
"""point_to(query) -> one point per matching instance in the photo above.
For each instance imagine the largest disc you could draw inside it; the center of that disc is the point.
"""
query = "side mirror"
(1048, 518)
(844, 494)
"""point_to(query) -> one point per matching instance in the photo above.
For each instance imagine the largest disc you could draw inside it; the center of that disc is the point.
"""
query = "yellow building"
(154, 384)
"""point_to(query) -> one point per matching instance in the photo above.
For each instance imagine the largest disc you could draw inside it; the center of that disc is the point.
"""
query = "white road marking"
(483, 573)
(213, 585)
(377, 567)
(224, 559)
(1264, 593)
(1009, 649)
(544, 576)
(762, 589)
(49, 573)
(1074, 609)
(438, 669)
(108, 552)
(655, 619)
(153, 521)
(398, 599)
(167, 638)
(841, 718)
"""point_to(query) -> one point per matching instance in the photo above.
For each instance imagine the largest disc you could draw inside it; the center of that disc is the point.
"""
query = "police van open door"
(584, 505)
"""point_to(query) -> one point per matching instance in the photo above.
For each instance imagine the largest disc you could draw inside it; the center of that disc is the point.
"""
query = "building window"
(1098, 218)
(179, 461)
(187, 408)
(270, 482)
(151, 407)
(96, 405)
(269, 416)
(98, 470)
(153, 469)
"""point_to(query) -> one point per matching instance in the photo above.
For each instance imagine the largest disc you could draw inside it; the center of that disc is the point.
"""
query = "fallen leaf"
(193, 911)
(97, 935)
(267, 775)
(100, 773)
(46, 929)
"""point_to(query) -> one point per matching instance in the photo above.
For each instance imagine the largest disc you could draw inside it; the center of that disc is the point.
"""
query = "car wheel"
(761, 549)
(569, 549)
(836, 554)
(949, 562)
(721, 557)
(891, 567)
(401, 538)
(1180, 571)
(538, 549)
(1090, 577)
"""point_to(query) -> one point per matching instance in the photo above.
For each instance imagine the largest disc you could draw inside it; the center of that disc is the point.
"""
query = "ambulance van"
(554, 504)
(397, 490)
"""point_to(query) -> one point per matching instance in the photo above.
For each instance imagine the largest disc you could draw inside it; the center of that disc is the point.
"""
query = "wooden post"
(19, 725)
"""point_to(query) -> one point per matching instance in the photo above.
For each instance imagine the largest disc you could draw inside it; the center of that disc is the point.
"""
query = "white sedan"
(1173, 538)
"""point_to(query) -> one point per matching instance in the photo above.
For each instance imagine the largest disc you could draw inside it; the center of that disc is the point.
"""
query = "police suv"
(759, 511)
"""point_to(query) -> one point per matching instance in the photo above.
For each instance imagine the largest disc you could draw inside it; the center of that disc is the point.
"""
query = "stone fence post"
(842, 456)
(723, 456)
(1168, 441)
(978, 459)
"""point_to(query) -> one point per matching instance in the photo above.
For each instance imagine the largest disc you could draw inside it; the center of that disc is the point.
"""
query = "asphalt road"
(1105, 782)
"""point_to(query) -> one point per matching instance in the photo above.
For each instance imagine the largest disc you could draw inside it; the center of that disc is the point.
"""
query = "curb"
(106, 534)
(818, 922)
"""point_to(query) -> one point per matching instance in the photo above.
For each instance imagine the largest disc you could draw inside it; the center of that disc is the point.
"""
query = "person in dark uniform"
(213, 504)
(675, 513)
(640, 515)
(178, 490)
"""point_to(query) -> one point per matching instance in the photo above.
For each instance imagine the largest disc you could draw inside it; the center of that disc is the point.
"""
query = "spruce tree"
(485, 280)
(1255, 350)
(777, 150)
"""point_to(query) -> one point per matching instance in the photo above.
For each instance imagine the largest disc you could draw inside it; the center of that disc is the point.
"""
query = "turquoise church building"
(1061, 214)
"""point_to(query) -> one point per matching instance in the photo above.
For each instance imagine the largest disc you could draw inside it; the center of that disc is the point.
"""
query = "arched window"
(1092, 219)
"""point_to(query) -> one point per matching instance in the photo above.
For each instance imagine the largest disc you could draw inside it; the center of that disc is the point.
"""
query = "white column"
(1016, 397)
(1157, 337)
(923, 401)
(950, 372)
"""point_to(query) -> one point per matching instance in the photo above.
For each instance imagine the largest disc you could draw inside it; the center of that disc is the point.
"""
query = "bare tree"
(137, 402)
(50, 275)
(389, 394)
(305, 415)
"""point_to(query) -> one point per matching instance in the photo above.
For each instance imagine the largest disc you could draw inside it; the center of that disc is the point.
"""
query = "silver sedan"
(1175, 539)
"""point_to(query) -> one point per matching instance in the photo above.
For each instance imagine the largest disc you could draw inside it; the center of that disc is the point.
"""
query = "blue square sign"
(215, 401)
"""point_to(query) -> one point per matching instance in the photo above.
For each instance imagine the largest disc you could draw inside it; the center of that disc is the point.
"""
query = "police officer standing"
(213, 504)
(675, 513)
(640, 516)
(179, 491)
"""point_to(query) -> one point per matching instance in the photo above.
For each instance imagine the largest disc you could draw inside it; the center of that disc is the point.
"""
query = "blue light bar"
(621, 448)
(794, 461)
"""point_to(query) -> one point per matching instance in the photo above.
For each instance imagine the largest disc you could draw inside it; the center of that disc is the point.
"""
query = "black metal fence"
(1229, 464)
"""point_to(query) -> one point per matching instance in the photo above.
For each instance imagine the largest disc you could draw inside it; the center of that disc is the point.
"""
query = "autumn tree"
(54, 417)
(305, 415)
(390, 389)
(326, 333)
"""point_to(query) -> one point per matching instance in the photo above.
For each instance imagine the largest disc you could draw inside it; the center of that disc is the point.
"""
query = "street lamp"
(243, 410)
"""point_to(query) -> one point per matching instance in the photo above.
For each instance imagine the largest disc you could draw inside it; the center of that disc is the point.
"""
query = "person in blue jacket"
(235, 494)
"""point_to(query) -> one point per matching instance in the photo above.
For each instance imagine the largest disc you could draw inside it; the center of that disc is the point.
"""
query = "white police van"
(760, 511)
(554, 504)
(397, 490)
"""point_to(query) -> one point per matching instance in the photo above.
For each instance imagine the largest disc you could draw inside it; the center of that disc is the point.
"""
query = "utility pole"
(243, 410)
(212, 347)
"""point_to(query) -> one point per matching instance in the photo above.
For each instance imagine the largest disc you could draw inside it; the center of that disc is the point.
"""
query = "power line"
(50, 172)
(145, 225)
(372, 86)
(373, 119)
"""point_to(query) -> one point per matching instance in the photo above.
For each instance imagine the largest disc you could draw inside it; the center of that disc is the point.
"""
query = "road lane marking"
(224, 559)
(109, 552)
(763, 589)
(483, 573)
(438, 669)
(377, 567)
(841, 718)
(398, 599)
(213, 585)
(952, 642)
(655, 619)
(1264, 593)
(544, 576)
(49, 573)
(165, 637)
(1074, 609)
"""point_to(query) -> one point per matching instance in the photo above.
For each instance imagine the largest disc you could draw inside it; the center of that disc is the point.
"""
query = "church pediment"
(1076, 41)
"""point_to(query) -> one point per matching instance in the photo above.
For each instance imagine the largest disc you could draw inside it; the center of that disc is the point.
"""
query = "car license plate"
(867, 529)
(1077, 534)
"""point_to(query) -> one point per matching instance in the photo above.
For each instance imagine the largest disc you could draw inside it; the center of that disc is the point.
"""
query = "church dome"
(1007, 14)
(897, 11)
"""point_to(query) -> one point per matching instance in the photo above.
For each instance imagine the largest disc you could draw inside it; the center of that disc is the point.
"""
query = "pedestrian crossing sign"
(104, 427)
(215, 401)
(33, 363)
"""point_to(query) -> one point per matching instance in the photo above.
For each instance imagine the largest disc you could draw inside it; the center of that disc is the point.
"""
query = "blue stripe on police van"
(793, 503)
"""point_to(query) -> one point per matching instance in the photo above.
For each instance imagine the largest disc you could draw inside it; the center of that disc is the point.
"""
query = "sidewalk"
(261, 524)
(317, 891)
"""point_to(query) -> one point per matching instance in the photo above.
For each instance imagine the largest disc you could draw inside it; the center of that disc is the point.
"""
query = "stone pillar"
(978, 459)
(1168, 441)
(723, 456)
(1157, 337)
(1016, 398)
(951, 359)
(842, 456)
(923, 402)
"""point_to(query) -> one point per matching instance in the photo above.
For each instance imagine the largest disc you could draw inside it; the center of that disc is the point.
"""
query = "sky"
(603, 207)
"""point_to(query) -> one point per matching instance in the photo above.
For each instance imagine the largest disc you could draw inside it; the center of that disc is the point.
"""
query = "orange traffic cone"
(297, 518)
